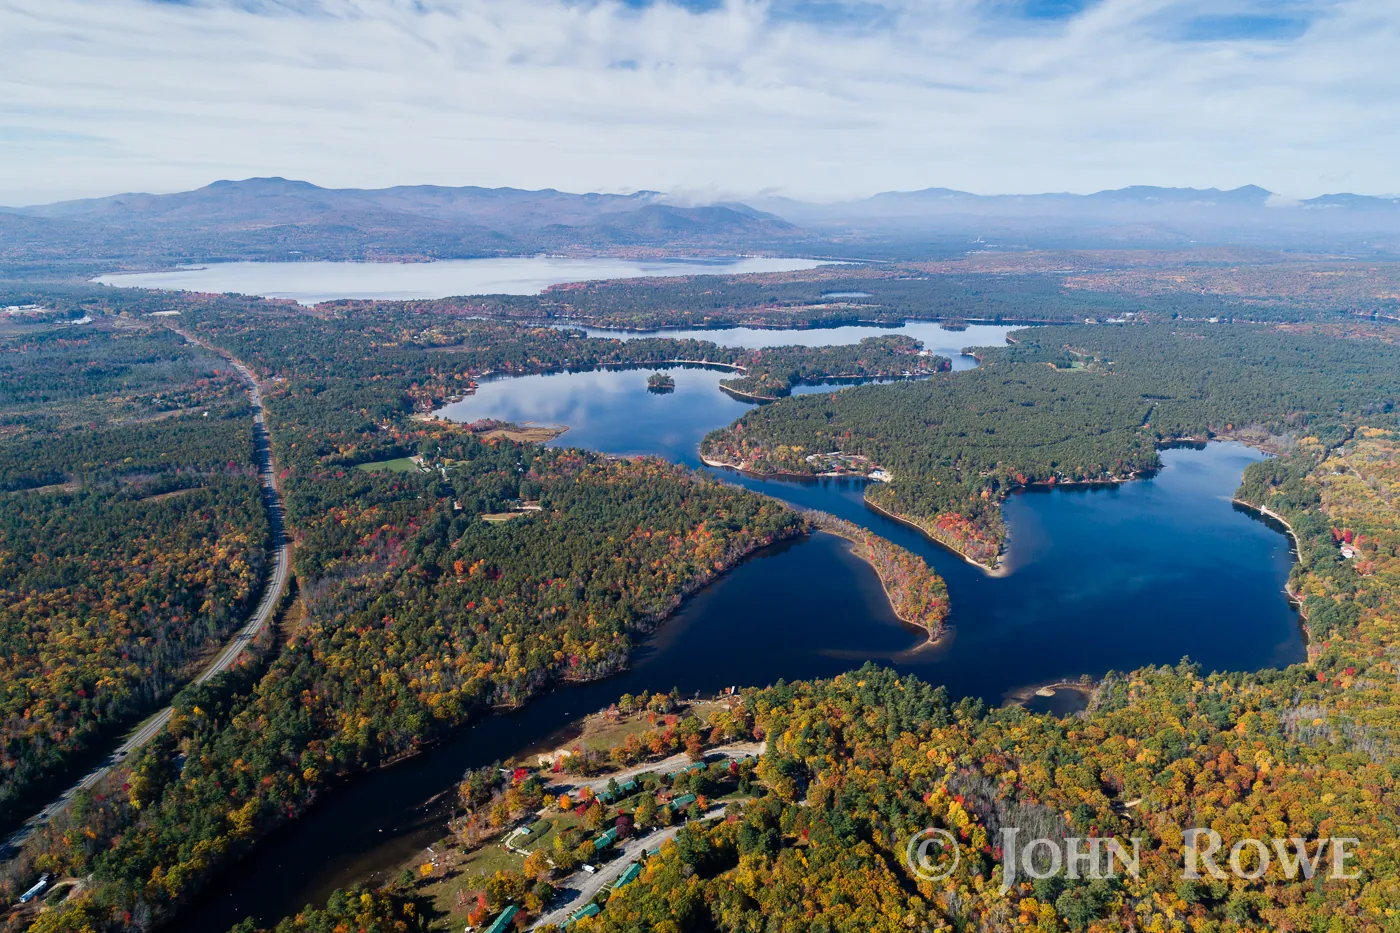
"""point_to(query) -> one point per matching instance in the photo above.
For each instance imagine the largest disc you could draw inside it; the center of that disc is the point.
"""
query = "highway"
(259, 620)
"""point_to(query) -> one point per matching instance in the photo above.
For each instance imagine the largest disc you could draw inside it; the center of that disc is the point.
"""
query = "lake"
(312, 282)
(1103, 578)
(947, 343)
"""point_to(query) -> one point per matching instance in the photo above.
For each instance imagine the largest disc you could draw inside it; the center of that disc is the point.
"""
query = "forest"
(1062, 405)
(419, 616)
(132, 536)
(829, 296)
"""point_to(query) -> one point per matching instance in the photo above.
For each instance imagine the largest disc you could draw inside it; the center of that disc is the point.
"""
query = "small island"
(661, 382)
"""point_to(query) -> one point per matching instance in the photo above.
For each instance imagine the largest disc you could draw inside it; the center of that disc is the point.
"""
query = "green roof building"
(592, 910)
(630, 875)
(502, 923)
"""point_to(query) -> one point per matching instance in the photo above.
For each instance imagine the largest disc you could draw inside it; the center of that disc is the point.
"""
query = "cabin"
(630, 875)
(605, 840)
(592, 910)
(1348, 552)
(680, 803)
(502, 922)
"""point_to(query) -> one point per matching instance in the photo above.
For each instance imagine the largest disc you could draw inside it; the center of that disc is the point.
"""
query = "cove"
(313, 282)
(1102, 578)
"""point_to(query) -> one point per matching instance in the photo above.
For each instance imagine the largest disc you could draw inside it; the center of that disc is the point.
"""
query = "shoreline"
(997, 571)
(1293, 599)
(930, 639)
(1023, 695)
(1001, 570)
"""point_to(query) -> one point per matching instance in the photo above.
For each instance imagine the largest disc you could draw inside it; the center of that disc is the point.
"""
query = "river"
(312, 282)
(1103, 578)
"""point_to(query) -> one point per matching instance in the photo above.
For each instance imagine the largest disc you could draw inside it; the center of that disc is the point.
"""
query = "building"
(630, 875)
(592, 910)
(502, 922)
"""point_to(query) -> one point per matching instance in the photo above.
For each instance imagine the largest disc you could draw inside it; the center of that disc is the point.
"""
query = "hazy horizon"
(821, 100)
(679, 198)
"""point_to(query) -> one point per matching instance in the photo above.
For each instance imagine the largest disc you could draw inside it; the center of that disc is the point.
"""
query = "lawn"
(400, 465)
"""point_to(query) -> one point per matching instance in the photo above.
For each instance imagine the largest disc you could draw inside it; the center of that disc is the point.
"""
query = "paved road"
(674, 763)
(262, 615)
(581, 887)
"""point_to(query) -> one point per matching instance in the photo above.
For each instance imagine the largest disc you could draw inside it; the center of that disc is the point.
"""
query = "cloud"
(810, 97)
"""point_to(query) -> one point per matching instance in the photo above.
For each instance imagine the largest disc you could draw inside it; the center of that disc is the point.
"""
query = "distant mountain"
(1141, 215)
(276, 218)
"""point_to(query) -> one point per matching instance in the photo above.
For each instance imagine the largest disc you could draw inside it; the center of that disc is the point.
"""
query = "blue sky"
(703, 98)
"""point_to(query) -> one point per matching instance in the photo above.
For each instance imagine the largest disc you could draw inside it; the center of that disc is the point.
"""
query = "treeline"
(1063, 405)
(830, 297)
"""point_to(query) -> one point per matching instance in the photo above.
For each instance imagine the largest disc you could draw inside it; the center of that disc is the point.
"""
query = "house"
(605, 840)
(680, 803)
(1349, 552)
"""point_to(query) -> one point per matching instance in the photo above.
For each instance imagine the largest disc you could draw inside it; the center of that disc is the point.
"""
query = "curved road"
(262, 615)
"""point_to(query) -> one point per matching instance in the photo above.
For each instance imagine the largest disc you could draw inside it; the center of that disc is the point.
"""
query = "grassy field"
(600, 733)
(453, 892)
(401, 465)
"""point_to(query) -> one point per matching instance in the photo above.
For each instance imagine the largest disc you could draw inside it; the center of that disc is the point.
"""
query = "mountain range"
(276, 218)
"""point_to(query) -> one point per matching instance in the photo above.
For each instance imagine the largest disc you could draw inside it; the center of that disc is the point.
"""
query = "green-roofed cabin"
(502, 923)
(680, 803)
(605, 840)
(630, 875)
(592, 910)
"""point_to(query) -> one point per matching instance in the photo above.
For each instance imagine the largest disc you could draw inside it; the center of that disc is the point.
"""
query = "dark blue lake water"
(1102, 578)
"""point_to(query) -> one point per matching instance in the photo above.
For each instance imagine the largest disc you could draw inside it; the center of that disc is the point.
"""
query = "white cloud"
(99, 96)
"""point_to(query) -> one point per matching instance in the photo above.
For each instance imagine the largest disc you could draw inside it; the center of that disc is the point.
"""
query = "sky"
(703, 99)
